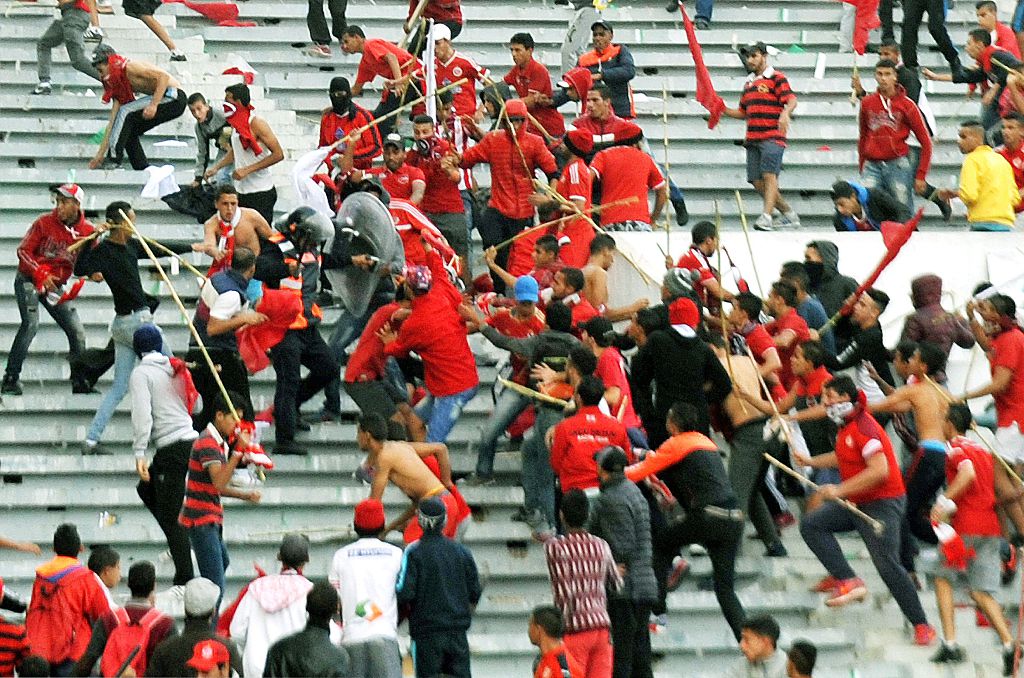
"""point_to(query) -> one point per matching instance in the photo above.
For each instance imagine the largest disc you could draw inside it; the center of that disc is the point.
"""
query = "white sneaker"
(43, 87)
(790, 218)
(764, 223)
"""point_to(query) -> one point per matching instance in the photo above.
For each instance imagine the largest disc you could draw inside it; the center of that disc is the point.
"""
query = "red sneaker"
(675, 577)
(1009, 569)
(784, 520)
(825, 585)
(924, 634)
(848, 591)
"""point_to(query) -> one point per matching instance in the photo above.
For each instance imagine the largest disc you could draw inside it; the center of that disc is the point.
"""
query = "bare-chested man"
(595, 277)
(143, 95)
(747, 465)
(405, 465)
(232, 226)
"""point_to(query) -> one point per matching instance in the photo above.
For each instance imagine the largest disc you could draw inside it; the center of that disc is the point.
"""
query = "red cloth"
(442, 195)
(536, 78)
(438, 10)
(582, 310)
(895, 235)
(866, 21)
(280, 307)
(398, 184)
(457, 67)
(84, 596)
(1016, 160)
(885, 125)
(366, 362)
(189, 394)
(763, 99)
(856, 441)
(224, 620)
(46, 243)
(695, 260)
(625, 172)
(224, 13)
(1006, 39)
(976, 506)
(611, 369)
(456, 511)
(706, 95)
(790, 321)
(116, 85)
(510, 326)
(334, 127)
(238, 116)
(576, 184)
(511, 185)
(374, 63)
(576, 440)
(413, 228)
(1007, 351)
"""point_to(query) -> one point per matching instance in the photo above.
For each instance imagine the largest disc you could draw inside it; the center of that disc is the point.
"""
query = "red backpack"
(127, 637)
(49, 624)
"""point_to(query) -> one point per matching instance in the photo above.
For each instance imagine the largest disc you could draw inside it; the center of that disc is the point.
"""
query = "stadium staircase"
(49, 139)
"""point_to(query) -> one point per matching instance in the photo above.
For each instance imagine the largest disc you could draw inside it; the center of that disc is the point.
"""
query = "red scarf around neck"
(116, 85)
(237, 116)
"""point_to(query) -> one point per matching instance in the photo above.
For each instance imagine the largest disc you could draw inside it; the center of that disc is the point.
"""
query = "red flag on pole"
(706, 94)
(895, 235)
(865, 21)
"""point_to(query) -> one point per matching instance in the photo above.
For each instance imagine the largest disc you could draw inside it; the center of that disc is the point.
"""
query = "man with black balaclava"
(821, 260)
(343, 117)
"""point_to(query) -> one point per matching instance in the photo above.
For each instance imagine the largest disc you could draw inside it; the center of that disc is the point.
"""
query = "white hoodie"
(273, 607)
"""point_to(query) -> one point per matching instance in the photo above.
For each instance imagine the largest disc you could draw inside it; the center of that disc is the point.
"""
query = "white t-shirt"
(227, 305)
(365, 573)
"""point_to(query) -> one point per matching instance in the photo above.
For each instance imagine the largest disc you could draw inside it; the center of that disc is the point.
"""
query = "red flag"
(895, 235)
(223, 13)
(706, 94)
(281, 308)
(866, 21)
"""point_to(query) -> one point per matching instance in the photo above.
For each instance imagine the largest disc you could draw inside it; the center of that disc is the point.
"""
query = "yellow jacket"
(987, 187)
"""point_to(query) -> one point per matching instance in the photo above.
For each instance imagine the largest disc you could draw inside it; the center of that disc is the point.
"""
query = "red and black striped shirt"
(202, 498)
(13, 646)
(763, 99)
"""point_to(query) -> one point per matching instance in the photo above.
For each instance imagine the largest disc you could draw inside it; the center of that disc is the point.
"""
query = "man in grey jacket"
(160, 413)
(210, 126)
(622, 518)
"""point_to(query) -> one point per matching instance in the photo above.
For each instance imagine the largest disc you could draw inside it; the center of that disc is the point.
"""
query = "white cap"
(441, 32)
(73, 191)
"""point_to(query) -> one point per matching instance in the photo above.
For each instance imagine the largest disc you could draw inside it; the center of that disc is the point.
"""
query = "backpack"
(125, 638)
(50, 624)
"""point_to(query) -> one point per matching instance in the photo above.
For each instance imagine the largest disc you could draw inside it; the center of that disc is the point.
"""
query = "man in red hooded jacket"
(44, 267)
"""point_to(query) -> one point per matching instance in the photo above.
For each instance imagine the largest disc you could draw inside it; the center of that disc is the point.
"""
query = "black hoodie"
(830, 287)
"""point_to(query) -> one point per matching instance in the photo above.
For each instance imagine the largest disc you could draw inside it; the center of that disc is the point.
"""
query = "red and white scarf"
(237, 116)
(116, 84)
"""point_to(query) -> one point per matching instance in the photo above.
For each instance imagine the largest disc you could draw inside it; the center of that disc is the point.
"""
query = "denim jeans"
(894, 176)
(704, 8)
(122, 329)
(819, 527)
(538, 477)
(211, 555)
(508, 406)
(65, 316)
(442, 413)
(989, 226)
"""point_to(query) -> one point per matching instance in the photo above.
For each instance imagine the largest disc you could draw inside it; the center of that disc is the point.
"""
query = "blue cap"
(432, 514)
(147, 339)
(527, 289)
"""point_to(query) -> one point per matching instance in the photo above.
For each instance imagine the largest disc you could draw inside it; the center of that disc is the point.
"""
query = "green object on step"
(98, 137)
(796, 49)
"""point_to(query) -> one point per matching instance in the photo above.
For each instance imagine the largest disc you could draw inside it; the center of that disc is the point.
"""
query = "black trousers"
(495, 227)
(721, 537)
(232, 373)
(163, 496)
(441, 654)
(923, 478)
(316, 22)
(913, 13)
(129, 140)
(631, 638)
(299, 348)
(393, 101)
(263, 202)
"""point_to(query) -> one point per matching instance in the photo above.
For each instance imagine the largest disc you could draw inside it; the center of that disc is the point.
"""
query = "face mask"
(254, 291)
(838, 412)
(340, 102)
(815, 270)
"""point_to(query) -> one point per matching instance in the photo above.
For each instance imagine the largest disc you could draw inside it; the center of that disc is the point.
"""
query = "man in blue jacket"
(440, 584)
(863, 209)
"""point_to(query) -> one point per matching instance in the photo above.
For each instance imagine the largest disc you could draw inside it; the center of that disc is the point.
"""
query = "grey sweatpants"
(747, 467)
(375, 658)
(69, 29)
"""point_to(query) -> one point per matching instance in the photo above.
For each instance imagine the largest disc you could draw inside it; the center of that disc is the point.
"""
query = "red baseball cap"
(208, 655)
(73, 191)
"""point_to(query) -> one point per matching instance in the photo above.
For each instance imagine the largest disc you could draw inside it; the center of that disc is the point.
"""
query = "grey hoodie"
(158, 405)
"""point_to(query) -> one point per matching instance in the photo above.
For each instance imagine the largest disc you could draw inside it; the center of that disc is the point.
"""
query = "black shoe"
(324, 299)
(96, 449)
(11, 385)
(949, 654)
(1008, 660)
(520, 515)
(943, 205)
(82, 386)
(701, 24)
(776, 550)
(290, 447)
(672, 6)
(302, 425)
(682, 215)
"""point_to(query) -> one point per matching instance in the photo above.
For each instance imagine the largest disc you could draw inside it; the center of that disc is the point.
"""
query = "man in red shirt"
(1003, 37)
(576, 185)
(626, 172)
(871, 479)
(514, 155)
(451, 66)
(444, 13)
(745, 322)
(546, 263)
(611, 370)
(788, 329)
(388, 61)
(578, 437)
(400, 179)
(567, 287)
(1013, 150)
(887, 118)
(344, 117)
(44, 268)
(545, 632)
(969, 507)
(766, 104)
(704, 243)
(435, 331)
(532, 82)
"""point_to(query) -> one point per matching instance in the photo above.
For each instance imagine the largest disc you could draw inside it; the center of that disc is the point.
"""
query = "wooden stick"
(540, 127)
(413, 19)
(355, 134)
(184, 313)
(192, 269)
(81, 241)
(530, 393)
(746, 234)
(721, 315)
(547, 224)
(876, 525)
(664, 143)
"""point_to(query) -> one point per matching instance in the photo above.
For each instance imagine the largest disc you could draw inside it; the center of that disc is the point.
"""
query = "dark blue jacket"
(439, 580)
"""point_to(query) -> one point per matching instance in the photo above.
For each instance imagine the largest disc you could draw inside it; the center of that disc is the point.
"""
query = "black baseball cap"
(751, 47)
(603, 24)
(394, 140)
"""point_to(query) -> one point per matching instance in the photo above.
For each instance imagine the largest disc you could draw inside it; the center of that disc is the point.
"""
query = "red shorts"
(456, 511)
